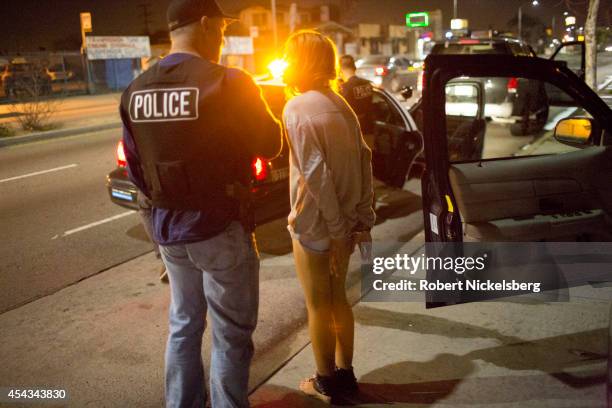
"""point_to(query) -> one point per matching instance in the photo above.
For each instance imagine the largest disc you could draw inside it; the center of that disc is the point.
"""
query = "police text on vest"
(164, 105)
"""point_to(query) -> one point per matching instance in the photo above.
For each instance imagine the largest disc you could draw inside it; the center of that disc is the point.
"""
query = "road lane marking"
(94, 224)
(38, 173)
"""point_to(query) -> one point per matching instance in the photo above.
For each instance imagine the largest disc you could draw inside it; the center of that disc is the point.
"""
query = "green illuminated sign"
(417, 19)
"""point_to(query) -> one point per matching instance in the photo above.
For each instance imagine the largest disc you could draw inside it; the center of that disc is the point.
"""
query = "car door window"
(385, 111)
(572, 55)
(521, 118)
(465, 125)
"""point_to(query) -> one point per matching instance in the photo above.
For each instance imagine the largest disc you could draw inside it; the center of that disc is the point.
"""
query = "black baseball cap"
(183, 12)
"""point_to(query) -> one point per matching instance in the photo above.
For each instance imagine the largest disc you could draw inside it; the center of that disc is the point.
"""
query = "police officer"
(191, 129)
(358, 93)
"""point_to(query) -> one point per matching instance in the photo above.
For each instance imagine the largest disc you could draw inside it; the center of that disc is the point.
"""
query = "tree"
(590, 37)
(533, 28)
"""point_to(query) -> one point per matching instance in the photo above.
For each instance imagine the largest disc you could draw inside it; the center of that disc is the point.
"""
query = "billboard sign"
(420, 19)
(103, 48)
(459, 24)
(86, 26)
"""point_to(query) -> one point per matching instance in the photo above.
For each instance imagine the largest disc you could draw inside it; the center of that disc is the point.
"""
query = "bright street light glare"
(277, 68)
(535, 3)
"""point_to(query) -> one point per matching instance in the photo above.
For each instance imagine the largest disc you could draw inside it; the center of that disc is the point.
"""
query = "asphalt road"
(59, 226)
(39, 250)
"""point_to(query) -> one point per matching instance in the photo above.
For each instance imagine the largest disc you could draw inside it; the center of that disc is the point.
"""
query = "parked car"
(59, 73)
(397, 142)
(518, 100)
(21, 78)
(388, 72)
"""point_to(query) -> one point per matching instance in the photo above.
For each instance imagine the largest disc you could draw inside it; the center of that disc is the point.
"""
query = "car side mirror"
(575, 131)
(407, 92)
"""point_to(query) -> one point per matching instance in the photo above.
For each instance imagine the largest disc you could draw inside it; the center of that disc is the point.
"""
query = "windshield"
(374, 60)
(480, 48)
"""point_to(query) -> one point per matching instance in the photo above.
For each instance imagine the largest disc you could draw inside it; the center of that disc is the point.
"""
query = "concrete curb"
(53, 134)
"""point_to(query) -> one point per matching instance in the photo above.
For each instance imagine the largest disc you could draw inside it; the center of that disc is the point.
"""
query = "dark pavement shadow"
(273, 396)
(567, 358)
(138, 232)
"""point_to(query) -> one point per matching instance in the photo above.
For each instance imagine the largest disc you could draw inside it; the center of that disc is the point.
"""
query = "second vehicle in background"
(388, 72)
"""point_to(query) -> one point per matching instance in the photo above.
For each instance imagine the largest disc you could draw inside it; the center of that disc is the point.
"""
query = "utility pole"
(520, 23)
(146, 16)
(590, 36)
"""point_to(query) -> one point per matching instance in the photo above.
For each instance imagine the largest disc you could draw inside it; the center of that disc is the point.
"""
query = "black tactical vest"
(183, 121)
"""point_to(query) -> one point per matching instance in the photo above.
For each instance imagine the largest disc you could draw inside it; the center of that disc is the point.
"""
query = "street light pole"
(520, 22)
(454, 9)
(520, 17)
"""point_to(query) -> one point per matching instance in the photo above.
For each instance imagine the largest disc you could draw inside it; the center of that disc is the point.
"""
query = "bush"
(35, 114)
(33, 106)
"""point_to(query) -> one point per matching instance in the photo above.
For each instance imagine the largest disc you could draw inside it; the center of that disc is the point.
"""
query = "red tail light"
(380, 71)
(121, 160)
(512, 85)
(260, 169)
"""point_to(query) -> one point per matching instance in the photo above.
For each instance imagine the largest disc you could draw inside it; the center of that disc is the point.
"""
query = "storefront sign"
(103, 48)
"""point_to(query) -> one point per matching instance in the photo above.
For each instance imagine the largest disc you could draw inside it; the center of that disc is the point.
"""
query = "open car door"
(532, 188)
(395, 142)
(572, 53)
(551, 186)
(548, 190)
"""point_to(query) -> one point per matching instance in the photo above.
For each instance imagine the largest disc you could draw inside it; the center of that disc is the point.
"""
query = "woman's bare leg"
(313, 273)
(343, 318)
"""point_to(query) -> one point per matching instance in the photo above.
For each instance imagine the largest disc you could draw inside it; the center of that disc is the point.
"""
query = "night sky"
(30, 24)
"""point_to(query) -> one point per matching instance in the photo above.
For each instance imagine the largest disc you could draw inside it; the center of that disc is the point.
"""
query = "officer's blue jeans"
(221, 276)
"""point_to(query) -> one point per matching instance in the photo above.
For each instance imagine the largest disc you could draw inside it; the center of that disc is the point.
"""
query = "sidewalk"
(510, 353)
(75, 115)
(103, 339)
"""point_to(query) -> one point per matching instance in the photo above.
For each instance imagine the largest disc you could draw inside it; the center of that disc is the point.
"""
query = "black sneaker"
(345, 380)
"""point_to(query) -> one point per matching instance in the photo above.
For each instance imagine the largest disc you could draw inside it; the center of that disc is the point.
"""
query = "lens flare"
(278, 67)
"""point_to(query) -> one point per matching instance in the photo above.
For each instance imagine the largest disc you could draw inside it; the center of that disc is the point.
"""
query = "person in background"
(191, 130)
(358, 92)
(331, 205)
